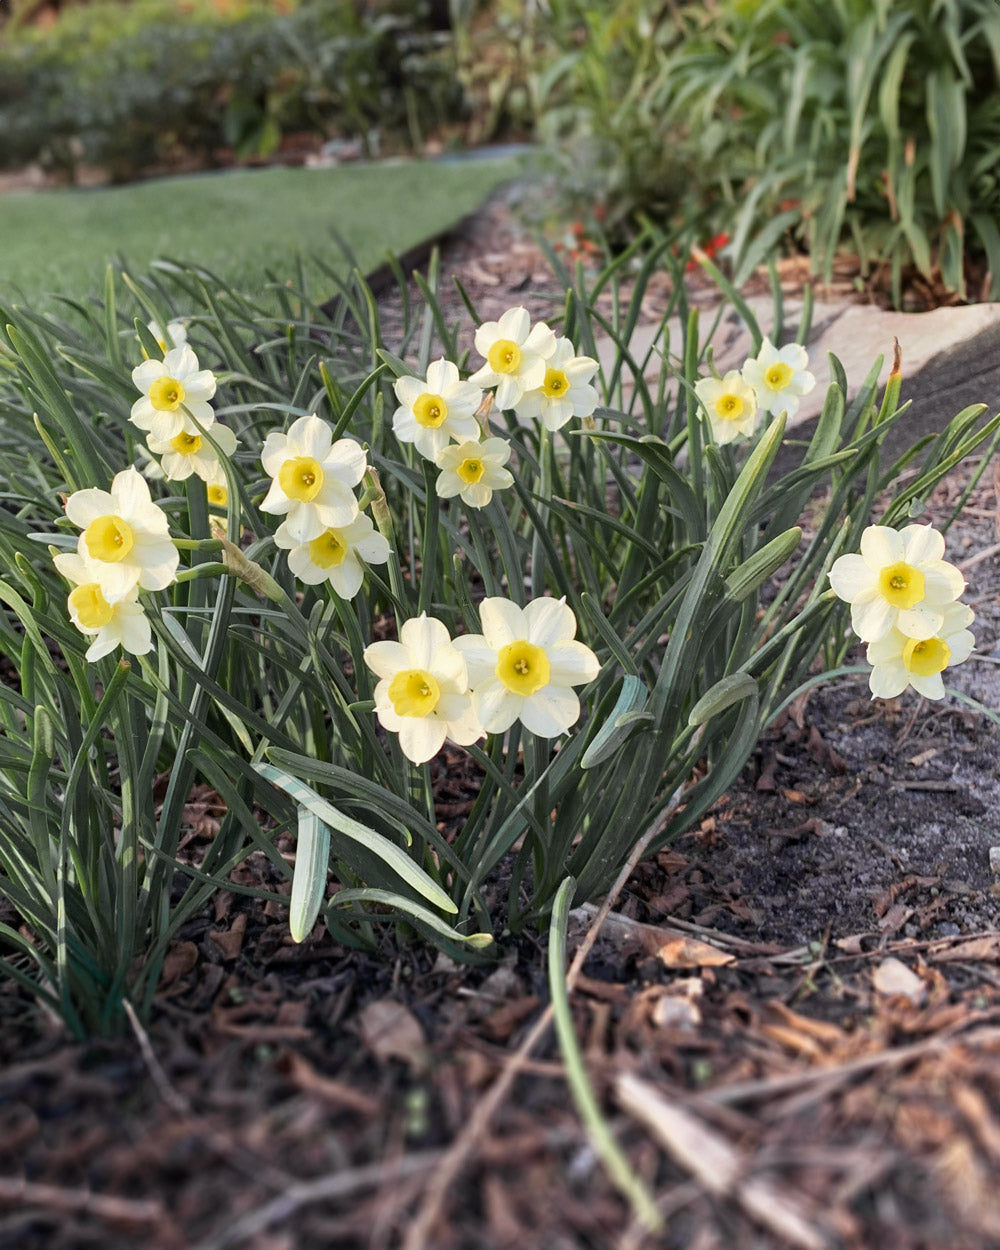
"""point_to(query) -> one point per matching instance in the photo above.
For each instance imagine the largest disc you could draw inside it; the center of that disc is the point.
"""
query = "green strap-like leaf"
(387, 851)
(312, 858)
(626, 716)
(398, 902)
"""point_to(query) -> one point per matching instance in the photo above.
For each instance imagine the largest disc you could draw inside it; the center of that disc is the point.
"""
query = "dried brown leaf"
(894, 979)
(688, 952)
(181, 958)
(230, 941)
(392, 1031)
(984, 947)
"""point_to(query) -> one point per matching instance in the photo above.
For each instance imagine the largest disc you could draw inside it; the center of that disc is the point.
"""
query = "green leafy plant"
(310, 688)
(239, 76)
(868, 127)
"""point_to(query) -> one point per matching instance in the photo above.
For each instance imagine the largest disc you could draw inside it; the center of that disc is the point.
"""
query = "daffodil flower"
(434, 411)
(217, 489)
(336, 555)
(898, 581)
(312, 478)
(175, 395)
(525, 664)
(779, 377)
(474, 471)
(126, 536)
(898, 661)
(515, 353)
(730, 404)
(565, 391)
(423, 689)
(186, 453)
(174, 334)
(121, 623)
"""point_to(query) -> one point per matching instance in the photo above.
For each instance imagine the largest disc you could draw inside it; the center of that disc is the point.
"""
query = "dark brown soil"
(810, 979)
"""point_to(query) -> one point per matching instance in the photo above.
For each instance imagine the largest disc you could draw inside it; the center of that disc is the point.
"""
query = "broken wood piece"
(719, 1167)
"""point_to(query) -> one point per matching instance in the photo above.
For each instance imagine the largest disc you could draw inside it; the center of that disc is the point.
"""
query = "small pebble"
(995, 860)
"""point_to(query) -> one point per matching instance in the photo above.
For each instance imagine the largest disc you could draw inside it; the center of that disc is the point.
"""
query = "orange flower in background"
(710, 249)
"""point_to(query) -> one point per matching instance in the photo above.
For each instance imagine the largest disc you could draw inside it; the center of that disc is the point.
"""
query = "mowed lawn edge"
(239, 224)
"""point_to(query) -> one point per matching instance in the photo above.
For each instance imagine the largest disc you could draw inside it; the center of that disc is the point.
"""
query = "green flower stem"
(201, 571)
(431, 519)
(546, 466)
(616, 1162)
(694, 425)
(197, 544)
(382, 516)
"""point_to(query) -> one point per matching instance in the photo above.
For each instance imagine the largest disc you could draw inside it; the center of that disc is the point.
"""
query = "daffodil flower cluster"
(904, 605)
(324, 531)
(535, 374)
(175, 413)
(124, 547)
(773, 381)
(523, 666)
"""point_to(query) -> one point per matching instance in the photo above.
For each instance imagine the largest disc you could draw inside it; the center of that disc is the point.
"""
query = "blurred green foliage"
(867, 124)
(128, 86)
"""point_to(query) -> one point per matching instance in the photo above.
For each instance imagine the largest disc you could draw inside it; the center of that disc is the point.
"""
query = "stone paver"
(951, 356)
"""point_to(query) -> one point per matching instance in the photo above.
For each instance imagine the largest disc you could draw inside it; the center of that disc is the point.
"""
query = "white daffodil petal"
(347, 578)
(386, 658)
(888, 647)
(373, 547)
(408, 390)
(274, 453)
(549, 621)
(136, 632)
(311, 436)
(514, 324)
(881, 545)
(348, 460)
(422, 636)
(448, 665)
(888, 680)
(871, 618)
(921, 543)
(942, 581)
(102, 645)
(147, 373)
(84, 506)
(919, 622)
(931, 687)
(961, 646)
(572, 664)
(496, 706)
(480, 658)
(550, 711)
(463, 723)
(441, 374)
(851, 578)
(421, 737)
(502, 622)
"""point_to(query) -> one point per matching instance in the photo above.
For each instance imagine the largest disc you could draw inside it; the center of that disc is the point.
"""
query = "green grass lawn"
(238, 223)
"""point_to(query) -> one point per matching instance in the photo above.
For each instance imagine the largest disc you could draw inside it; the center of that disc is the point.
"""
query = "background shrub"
(129, 86)
(870, 125)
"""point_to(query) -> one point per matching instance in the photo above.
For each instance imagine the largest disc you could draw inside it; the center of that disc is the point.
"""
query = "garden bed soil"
(811, 980)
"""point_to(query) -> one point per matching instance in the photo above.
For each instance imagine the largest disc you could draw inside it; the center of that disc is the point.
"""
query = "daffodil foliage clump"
(256, 551)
